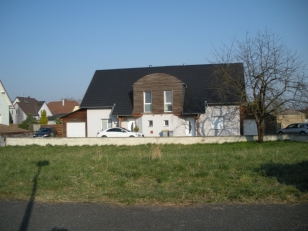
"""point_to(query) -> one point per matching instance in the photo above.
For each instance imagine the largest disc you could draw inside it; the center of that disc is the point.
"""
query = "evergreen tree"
(43, 119)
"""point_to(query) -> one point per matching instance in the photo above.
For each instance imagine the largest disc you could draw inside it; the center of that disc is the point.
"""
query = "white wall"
(230, 116)
(18, 115)
(128, 121)
(11, 141)
(176, 125)
(4, 110)
(94, 117)
(46, 108)
(229, 124)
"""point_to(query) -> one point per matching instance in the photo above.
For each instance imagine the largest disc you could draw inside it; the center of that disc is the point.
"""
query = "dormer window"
(147, 101)
(168, 101)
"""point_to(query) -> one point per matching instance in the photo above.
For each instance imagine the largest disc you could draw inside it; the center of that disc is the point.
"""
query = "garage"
(250, 127)
(74, 124)
(76, 129)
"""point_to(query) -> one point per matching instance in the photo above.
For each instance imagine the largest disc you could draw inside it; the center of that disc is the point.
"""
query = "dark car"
(45, 132)
(297, 128)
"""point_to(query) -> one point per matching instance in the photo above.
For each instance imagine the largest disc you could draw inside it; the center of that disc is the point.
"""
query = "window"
(147, 101)
(150, 123)
(168, 101)
(106, 123)
(217, 122)
(166, 123)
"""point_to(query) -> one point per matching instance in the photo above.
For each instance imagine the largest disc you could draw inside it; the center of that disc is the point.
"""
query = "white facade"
(5, 105)
(217, 121)
(220, 121)
(94, 120)
(18, 115)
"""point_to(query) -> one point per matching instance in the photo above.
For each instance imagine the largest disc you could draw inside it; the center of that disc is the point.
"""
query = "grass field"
(275, 172)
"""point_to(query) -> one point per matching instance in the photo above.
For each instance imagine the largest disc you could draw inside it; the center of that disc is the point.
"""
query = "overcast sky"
(50, 49)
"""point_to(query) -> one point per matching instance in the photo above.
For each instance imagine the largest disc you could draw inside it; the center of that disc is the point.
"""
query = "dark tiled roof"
(60, 107)
(30, 105)
(54, 117)
(109, 87)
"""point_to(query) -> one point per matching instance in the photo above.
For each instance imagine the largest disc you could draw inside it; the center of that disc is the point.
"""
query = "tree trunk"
(261, 129)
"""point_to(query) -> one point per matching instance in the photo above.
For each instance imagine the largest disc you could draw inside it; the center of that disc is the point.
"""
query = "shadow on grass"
(27, 215)
(291, 174)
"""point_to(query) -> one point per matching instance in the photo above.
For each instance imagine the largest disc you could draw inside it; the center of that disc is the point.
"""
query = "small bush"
(136, 128)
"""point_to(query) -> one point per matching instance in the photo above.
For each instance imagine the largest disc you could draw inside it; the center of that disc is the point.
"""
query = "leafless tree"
(274, 76)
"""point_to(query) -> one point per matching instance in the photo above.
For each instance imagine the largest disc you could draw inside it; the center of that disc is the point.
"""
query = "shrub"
(30, 120)
(136, 128)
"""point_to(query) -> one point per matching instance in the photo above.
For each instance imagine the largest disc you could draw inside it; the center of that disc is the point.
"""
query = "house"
(61, 108)
(184, 100)
(5, 105)
(306, 114)
(286, 117)
(23, 106)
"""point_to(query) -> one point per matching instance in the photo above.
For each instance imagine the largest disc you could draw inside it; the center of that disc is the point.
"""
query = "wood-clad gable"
(157, 83)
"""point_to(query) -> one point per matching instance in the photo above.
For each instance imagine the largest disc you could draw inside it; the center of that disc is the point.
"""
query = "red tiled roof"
(62, 107)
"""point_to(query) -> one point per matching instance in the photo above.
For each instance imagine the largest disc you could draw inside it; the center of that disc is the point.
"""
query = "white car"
(118, 132)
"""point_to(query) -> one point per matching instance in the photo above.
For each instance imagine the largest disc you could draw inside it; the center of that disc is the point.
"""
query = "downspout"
(112, 110)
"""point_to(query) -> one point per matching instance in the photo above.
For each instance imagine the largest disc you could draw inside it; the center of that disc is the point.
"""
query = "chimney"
(63, 102)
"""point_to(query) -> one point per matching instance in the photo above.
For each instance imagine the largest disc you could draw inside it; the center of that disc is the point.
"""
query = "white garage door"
(250, 128)
(76, 129)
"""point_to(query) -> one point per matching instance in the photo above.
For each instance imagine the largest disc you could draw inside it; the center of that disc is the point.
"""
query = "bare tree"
(274, 76)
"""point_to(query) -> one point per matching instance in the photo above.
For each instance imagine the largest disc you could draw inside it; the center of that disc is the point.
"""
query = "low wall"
(148, 140)
(3, 137)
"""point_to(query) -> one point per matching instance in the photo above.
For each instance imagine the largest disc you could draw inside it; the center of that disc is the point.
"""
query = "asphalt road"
(34, 216)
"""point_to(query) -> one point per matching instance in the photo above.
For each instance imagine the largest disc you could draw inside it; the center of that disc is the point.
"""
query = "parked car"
(297, 128)
(45, 132)
(118, 132)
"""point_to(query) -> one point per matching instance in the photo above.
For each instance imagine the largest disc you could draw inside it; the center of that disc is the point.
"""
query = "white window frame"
(150, 123)
(147, 104)
(166, 123)
(109, 123)
(168, 104)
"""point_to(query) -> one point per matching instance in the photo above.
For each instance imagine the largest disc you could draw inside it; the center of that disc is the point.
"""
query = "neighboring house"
(286, 117)
(61, 108)
(23, 106)
(5, 106)
(306, 114)
(185, 100)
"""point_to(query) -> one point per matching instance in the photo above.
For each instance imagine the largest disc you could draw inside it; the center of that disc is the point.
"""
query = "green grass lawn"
(275, 172)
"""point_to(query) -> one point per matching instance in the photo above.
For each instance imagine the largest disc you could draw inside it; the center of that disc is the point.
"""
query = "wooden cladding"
(76, 116)
(158, 83)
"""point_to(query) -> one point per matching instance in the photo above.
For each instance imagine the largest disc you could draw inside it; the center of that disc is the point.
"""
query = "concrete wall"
(10, 141)
(13, 135)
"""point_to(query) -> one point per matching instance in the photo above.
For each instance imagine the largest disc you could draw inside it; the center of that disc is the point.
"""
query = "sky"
(49, 50)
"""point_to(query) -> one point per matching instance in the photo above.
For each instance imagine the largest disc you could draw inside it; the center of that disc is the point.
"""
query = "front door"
(131, 125)
(189, 126)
